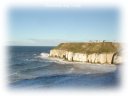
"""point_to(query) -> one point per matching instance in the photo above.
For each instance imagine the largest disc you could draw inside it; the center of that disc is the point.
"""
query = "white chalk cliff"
(100, 58)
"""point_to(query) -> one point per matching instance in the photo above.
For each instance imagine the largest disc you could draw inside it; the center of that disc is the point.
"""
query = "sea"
(27, 69)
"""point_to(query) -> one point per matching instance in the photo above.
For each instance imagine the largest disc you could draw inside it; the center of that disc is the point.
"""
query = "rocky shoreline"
(81, 67)
(97, 58)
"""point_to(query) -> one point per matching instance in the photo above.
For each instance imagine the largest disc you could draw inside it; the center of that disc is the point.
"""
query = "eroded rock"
(102, 58)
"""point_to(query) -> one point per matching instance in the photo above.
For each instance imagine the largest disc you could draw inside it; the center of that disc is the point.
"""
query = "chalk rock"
(70, 56)
(97, 59)
(80, 57)
(109, 58)
(117, 59)
(93, 57)
(102, 58)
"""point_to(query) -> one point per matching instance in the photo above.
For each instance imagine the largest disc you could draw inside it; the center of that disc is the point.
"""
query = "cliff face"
(103, 53)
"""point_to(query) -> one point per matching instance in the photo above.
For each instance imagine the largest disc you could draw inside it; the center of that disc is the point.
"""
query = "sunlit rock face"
(70, 56)
(117, 59)
(102, 58)
(80, 57)
(109, 57)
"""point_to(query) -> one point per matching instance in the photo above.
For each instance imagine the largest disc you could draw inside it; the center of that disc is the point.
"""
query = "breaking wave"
(44, 55)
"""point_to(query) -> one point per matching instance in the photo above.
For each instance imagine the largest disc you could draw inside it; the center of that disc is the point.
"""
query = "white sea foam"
(71, 70)
(44, 55)
(51, 59)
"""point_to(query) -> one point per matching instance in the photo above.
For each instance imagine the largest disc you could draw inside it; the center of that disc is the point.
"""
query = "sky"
(51, 26)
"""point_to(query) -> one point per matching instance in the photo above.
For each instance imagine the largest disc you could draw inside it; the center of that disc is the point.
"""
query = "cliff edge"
(90, 52)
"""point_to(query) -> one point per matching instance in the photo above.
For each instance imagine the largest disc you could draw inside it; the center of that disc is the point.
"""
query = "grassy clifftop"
(90, 47)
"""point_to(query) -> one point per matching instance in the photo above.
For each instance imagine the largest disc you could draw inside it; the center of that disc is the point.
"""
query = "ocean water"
(27, 69)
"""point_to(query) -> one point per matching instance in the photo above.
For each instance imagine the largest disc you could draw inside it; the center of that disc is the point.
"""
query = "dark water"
(27, 70)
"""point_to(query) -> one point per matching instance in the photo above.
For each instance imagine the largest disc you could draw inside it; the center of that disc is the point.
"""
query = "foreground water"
(28, 70)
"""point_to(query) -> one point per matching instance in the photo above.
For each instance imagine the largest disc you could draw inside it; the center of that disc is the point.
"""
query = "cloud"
(35, 42)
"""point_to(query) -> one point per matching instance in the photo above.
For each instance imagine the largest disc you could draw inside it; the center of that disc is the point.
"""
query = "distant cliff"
(91, 52)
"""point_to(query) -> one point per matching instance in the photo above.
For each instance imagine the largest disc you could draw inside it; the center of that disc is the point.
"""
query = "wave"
(50, 67)
(44, 55)
(47, 71)
(68, 80)
(56, 60)
(59, 66)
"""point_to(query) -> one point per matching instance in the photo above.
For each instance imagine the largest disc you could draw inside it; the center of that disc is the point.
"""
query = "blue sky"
(51, 26)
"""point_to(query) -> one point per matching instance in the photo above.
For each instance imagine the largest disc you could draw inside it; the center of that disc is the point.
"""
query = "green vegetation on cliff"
(90, 47)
